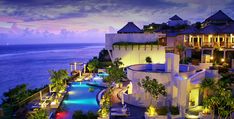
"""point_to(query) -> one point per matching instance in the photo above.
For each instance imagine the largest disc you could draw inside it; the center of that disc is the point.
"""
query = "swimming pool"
(80, 96)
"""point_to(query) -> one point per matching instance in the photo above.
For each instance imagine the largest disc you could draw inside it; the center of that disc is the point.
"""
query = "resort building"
(216, 33)
(133, 46)
(182, 81)
(176, 20)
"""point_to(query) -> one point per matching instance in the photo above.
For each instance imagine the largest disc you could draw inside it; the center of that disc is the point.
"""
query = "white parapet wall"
(134, 37)
(136, 54)
(176, 84)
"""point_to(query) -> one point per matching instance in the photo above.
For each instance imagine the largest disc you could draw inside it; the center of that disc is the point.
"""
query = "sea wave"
(48, 51)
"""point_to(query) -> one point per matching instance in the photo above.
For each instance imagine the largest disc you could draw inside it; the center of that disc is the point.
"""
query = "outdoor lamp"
(222, 60)
(211, 58)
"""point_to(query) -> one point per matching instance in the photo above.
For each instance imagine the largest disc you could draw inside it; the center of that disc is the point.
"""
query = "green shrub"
(174, 110)
(162, 111)
(148, 59)
(79, 115)
(38, 114)
(91, 115)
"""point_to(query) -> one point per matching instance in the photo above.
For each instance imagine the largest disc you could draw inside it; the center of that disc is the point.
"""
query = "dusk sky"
(85, 21)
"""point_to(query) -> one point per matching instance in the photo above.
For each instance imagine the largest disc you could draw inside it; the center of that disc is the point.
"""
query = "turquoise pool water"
(80, 97)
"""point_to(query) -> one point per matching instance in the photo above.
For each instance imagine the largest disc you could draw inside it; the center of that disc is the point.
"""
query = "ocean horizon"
(29, 63)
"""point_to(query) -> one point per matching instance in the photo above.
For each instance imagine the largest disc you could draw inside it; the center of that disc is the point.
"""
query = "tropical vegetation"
(38, 114)
(58, 79)
(148, 60)
(181, 49)
(80, 115)
(220, 100)
(12, 99)
(155, 89)
(93, 65)
(207, 86)
(116, 74)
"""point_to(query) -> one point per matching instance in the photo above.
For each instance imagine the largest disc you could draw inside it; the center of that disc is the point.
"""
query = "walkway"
(135, 112)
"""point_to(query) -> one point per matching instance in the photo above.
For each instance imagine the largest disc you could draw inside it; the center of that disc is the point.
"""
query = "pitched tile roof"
(130, 27)
(228, 28)
(219, 16)
(175, 17)
(211, 29)
(171, 34)
(190, 30)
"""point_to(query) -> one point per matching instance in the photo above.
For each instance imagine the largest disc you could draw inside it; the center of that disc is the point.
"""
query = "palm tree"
(152, 87)
(207, 85)
(93, 65)
(181, 48)
(58, 78)
(115, 75)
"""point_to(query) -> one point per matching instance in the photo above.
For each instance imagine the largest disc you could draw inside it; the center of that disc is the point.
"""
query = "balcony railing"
(230, 45)
(209, 44)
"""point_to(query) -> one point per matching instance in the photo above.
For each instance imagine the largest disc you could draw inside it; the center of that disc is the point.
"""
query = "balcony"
(188, 44)
(230, 45)
(207, 44)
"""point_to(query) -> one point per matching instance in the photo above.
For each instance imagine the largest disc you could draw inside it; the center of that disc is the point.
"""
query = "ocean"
(29, 64)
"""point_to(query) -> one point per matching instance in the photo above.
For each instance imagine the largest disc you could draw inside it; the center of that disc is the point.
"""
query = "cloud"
(56, 9)
(160, 10)
(91, 19)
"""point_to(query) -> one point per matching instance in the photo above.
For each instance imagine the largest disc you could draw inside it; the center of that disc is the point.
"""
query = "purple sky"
(82, 21)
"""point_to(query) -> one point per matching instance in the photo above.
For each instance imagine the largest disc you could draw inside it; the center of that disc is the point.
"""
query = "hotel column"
(198, 41)
(74, 65)
(212, 52)
(201, 55)
(225, 38)
(224, 54)
(184, 40)
(203, 40)
(190, 40)
(211, 40)
(84, 68)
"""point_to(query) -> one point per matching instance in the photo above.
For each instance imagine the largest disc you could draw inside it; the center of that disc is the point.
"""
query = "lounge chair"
(120, 109)
(35, 105)
(120, 114)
